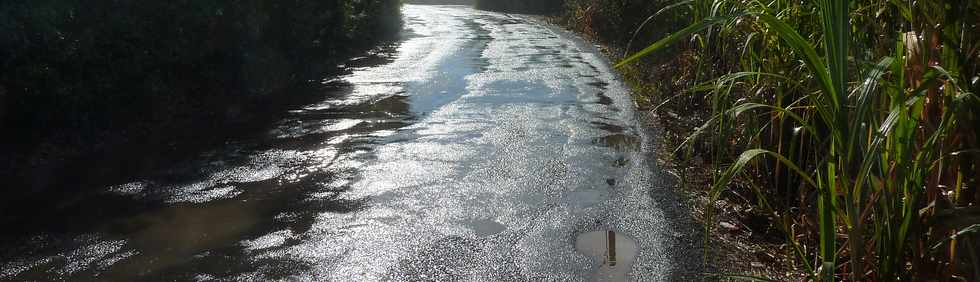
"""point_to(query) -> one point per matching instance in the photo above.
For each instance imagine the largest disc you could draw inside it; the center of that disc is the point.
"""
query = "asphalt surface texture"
(480, 147)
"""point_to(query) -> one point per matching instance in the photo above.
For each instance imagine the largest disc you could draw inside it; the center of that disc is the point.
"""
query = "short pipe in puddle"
(611, 247)
(617, 253)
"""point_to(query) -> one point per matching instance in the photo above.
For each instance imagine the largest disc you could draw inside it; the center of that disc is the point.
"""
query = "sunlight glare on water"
(476, 148)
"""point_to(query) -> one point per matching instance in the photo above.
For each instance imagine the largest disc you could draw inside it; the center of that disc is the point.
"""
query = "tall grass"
(859, 119)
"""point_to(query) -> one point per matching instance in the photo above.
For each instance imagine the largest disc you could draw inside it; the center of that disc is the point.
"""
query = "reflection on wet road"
(480, 148)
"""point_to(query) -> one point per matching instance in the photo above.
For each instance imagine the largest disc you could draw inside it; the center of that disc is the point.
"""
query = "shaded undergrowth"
(83, 80)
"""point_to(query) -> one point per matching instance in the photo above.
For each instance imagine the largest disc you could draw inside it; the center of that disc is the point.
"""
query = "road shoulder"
(739, 242)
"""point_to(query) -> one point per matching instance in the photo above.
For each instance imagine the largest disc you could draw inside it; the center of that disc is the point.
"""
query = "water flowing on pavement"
(479, 148)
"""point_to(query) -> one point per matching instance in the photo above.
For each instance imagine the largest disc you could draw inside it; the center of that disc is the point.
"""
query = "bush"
(84, 64)
(76, 73)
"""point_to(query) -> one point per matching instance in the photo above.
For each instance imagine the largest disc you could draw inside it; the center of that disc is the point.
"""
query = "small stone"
(730, 227)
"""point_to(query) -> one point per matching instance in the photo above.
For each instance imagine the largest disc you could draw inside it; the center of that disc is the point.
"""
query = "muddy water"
(616, 251)
(483, 147)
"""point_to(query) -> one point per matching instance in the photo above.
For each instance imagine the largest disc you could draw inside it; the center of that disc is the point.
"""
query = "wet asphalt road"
(479, 148)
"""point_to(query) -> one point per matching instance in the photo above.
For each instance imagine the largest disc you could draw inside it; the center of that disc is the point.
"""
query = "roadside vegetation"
(851, 126)
(91, 77)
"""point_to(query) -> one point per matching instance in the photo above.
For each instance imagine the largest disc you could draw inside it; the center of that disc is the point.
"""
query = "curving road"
(481, 147)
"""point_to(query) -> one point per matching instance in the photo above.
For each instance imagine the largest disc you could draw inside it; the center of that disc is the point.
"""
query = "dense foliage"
(86, 64)
(78, 71)
(618, 22)
(855, 123)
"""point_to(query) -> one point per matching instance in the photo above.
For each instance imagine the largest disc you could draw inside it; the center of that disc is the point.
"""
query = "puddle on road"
(616, 252)
(486, 227)
(619, 141)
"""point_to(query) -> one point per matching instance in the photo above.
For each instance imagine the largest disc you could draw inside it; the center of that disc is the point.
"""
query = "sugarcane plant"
(868, 105)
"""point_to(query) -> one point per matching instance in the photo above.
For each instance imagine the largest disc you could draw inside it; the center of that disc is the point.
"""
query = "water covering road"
(480, 148)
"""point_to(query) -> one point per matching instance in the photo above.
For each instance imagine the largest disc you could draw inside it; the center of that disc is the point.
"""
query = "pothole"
(616, 252)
